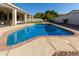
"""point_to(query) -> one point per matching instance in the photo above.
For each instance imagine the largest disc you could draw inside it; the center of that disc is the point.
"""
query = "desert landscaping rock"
(66, 53)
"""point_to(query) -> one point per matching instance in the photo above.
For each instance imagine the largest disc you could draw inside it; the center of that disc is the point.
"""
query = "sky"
(61, 8)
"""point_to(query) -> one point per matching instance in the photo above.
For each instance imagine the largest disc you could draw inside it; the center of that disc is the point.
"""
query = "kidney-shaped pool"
(34, 31)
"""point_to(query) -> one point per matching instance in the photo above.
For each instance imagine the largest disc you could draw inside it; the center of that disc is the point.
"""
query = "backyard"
(37, 34)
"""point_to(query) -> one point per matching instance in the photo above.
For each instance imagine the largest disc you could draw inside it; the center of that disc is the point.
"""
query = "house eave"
(12, 6)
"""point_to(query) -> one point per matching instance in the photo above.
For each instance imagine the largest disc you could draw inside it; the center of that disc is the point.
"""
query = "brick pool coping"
(76, 33)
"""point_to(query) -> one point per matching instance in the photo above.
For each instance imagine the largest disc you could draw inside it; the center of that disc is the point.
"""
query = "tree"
(37, 15)
(49, 14)
(42, 15)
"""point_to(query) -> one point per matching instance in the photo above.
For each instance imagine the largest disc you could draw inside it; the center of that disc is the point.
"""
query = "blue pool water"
(34, 31)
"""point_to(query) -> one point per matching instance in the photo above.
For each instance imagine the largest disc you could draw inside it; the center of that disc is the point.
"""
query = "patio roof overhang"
(12, 6)
(15, 12)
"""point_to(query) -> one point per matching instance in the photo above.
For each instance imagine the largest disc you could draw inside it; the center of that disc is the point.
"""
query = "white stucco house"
(73, 17)
(12, 15)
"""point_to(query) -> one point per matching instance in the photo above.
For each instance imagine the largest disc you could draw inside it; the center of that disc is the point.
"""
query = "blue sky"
(61, 8)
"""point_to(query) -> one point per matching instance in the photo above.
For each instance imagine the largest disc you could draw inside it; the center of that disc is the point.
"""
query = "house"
(72, 17)
(12, 15)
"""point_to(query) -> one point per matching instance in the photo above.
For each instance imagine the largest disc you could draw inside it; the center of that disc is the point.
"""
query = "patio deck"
(75, 27)
(5, 29)
(46, 46)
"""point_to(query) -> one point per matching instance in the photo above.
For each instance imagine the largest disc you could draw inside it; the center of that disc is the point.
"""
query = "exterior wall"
(73, 18)
(60, 19)
(37, 20)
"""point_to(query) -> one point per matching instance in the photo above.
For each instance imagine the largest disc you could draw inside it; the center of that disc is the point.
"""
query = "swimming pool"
(34, 31)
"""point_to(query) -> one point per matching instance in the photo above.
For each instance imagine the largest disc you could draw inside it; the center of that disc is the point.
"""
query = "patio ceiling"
(5, 9)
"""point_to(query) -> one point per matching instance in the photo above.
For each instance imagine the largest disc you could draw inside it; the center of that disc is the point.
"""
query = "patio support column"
(25, 18)
(14, 17)
(7, 16)
(30, 18)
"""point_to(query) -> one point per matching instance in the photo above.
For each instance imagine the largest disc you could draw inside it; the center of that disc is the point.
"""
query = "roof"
(13, 6)
(75, 11)
(61, 14)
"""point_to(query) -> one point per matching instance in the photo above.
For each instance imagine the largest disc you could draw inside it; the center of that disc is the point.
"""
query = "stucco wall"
(72, 17)
(60, 19)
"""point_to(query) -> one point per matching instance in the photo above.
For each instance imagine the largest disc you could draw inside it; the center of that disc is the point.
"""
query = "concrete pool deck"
(44, 45)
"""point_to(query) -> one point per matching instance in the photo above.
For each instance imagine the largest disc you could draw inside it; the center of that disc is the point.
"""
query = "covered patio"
(12, 15)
